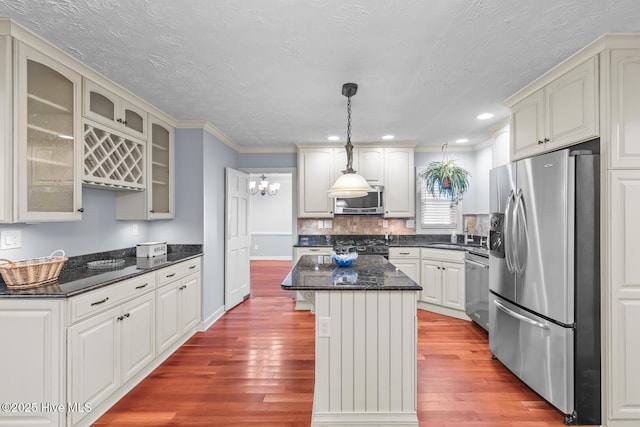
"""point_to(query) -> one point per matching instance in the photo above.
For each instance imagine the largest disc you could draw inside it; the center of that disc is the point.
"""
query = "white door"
(238, 238)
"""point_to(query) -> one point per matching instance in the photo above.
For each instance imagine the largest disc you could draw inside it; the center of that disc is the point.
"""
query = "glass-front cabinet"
(157, 202)
(48, 136)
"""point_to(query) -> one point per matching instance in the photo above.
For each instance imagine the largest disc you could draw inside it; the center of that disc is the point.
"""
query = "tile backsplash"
(478, 225)
(355, 224)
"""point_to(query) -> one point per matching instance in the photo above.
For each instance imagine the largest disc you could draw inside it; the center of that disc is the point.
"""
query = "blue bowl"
(344, 260)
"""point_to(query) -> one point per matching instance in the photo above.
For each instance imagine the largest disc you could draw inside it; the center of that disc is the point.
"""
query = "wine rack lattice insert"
(113, 161)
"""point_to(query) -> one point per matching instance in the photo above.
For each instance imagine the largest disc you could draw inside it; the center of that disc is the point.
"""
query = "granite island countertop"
(76, 278)
(368, 273)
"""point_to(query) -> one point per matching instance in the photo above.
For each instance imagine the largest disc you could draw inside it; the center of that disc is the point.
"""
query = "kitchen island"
(366, 340)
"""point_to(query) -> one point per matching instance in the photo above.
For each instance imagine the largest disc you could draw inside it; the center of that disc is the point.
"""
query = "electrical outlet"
(411, 223)
(10, 239)
(328, 223)
(134, 230)
(324, 327)
(320, 224)
(255, 247)
(385, 223)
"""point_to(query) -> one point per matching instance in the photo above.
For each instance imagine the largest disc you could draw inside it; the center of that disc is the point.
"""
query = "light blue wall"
(201, 160)
(98, 231)
(216, 156)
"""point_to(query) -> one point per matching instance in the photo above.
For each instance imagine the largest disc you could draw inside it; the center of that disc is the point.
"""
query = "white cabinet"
(407, 260)
(442, 281)
(316, 174)
(48, 137)
(114, 111)
(178, 303)
(157, 202)
(624, 86)
(399, 182)
(6, 131)
(109, 348)
(370, 163)
(564, 112)
(32, 361)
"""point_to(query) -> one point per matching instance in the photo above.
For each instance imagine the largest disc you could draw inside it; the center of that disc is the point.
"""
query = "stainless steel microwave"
(371, 204)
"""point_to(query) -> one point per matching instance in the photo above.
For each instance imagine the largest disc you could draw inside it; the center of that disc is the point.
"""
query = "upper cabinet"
(562, 113)
(317, 169)
(370, 164)
(157, 201)
(624, 71)
(48, 138)
(391, 167)
(6, 130)
(108, 108)
(399, 182)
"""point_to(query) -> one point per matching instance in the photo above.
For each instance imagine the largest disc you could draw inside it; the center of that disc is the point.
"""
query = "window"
(435, 212)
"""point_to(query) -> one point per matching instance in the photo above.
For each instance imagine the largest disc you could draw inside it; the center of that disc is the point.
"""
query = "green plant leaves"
(446, 179)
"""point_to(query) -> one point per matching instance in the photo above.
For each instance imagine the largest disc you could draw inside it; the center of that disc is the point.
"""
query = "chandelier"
(349, 184)
(263, 187)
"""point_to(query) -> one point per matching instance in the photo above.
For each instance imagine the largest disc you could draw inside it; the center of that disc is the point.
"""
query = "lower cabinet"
(68, 361)
(178, 310)
(406, 260)
(442, 281)
(107, 350)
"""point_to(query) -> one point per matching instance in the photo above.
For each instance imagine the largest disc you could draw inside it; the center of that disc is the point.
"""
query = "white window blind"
(436, 212)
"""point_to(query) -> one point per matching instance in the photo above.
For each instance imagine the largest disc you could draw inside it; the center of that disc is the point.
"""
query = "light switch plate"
(411, 223)
(320, 224)
(10, 239)
(328, 223)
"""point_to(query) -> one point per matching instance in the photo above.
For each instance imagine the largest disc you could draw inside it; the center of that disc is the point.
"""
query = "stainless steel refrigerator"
(544, 305)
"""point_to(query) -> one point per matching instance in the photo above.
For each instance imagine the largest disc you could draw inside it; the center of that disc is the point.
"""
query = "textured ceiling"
(268, 73)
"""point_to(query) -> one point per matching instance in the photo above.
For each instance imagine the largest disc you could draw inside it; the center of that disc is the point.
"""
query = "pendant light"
(349, 184)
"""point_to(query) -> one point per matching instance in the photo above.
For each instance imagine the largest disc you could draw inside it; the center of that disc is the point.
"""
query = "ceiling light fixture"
(462, 140)
(333, 138)
(349, 184)
(263, 188)
(387, 137)
(485, 116)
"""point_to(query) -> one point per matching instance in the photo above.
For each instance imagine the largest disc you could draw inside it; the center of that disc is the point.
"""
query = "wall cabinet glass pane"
(48, 96)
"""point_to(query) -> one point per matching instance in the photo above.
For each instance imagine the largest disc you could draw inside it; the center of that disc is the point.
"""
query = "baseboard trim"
(213, 318)
(443, 310)
(272, 258)
(365, 419)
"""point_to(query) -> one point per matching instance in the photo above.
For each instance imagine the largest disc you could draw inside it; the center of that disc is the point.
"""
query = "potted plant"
(446, 178)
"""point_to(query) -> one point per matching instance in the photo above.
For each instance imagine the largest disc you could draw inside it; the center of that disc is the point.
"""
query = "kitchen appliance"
(544, 319)
(151, 249)
(370, 204)
(476, 282)
(362, 245)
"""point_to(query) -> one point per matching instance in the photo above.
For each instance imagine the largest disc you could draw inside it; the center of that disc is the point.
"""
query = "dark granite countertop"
(368, 273)
(436, 241)
(76, 278)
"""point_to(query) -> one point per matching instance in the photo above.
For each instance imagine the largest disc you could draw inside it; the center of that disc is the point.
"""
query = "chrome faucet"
(467, 239)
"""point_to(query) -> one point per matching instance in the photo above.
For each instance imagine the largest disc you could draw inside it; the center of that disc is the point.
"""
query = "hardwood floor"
(255, 366)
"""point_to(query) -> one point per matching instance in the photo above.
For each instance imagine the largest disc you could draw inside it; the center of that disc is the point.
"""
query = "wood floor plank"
(255, 366)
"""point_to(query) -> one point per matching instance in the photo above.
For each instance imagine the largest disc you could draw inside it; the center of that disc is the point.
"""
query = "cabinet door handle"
(171, 275)
(192, 267)
(81, 210)
(100, 302)
(404, 253)
(120, 318)
(540, 142)
(127, 315)
(314, 250)
(545, 140)
(142, 286)
(183, 287)
(152, 211)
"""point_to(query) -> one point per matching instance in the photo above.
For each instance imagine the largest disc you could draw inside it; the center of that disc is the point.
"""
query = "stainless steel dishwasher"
(477, 289)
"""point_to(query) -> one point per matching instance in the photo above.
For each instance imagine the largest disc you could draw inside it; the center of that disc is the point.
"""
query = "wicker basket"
(29, 273)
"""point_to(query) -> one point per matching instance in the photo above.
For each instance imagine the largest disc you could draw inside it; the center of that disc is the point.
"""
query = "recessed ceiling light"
(462, 140)
(333, 138)
(388, 137)
(485, 116)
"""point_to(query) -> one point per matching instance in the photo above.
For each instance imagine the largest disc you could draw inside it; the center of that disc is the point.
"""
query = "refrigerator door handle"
(520, 316)
(520, 224)
(508, 234)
